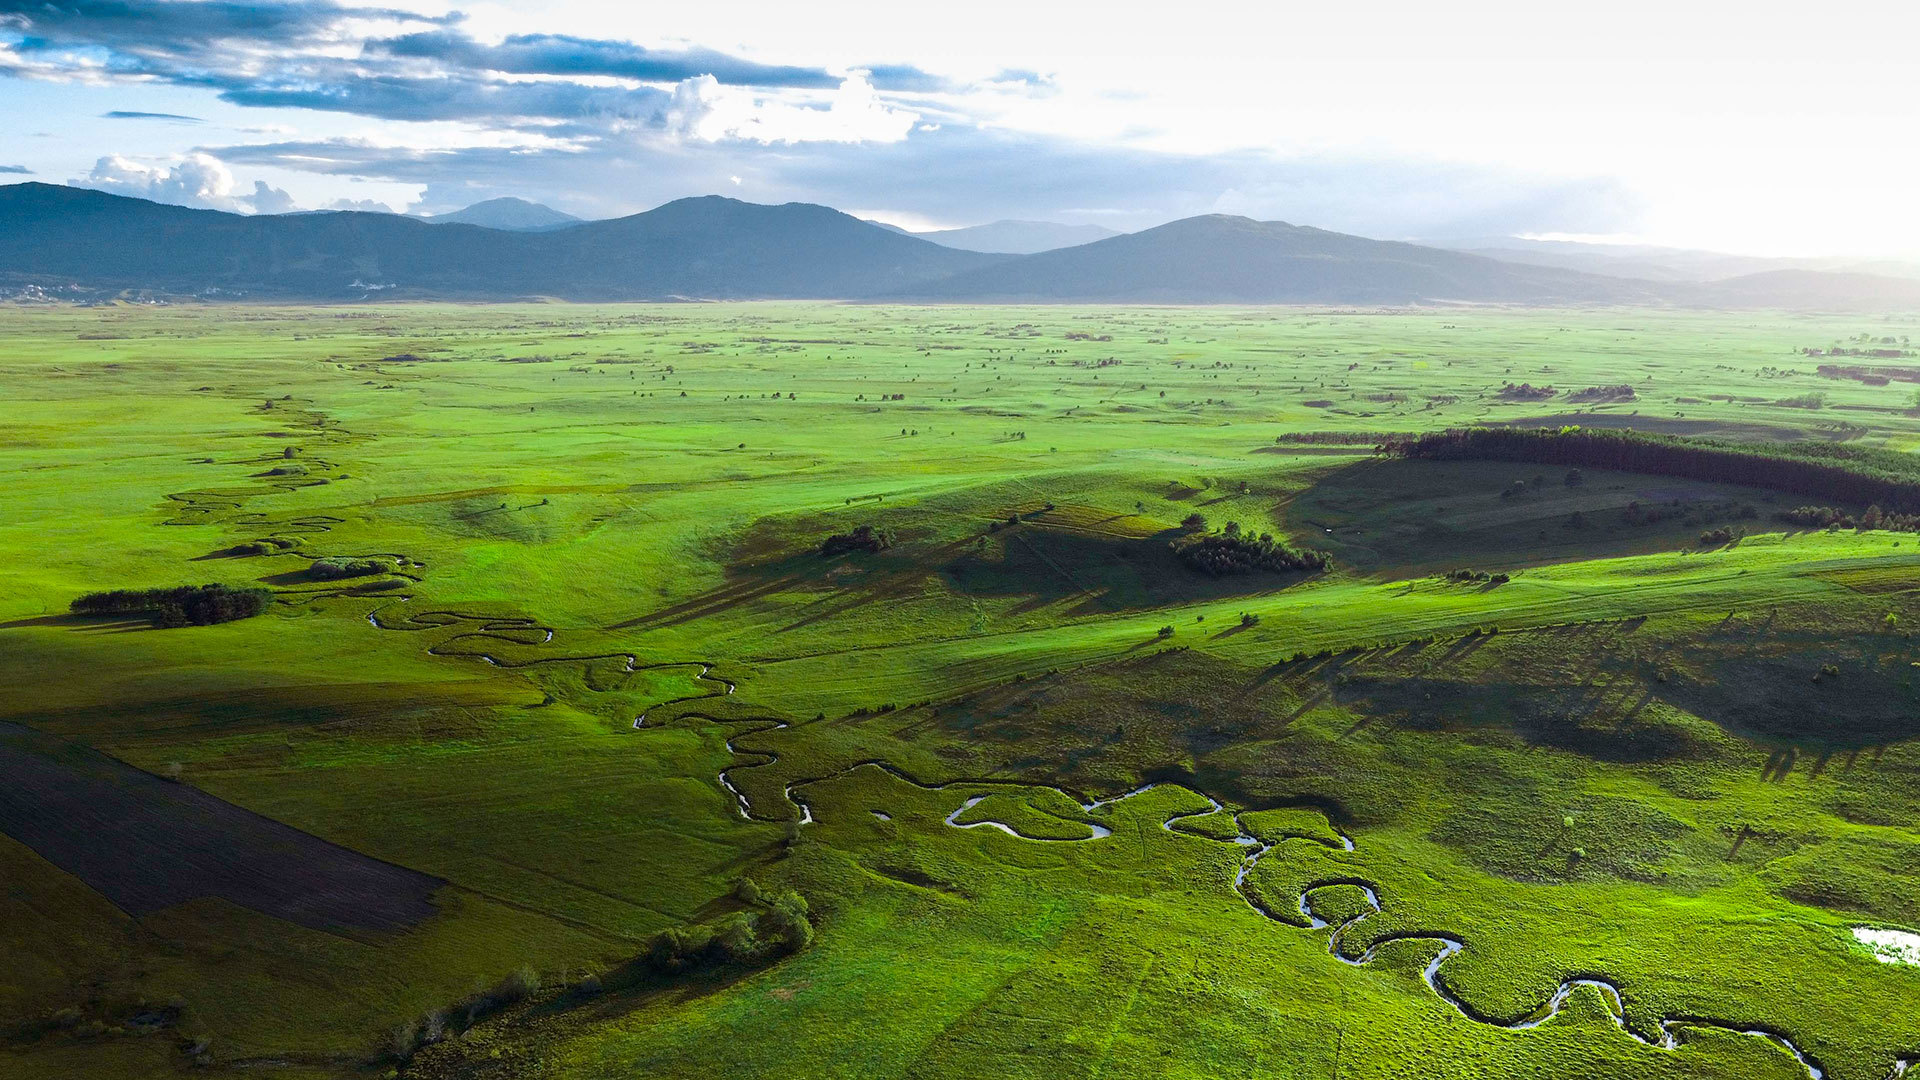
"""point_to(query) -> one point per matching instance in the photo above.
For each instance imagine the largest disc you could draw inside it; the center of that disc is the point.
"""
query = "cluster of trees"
(1817, 517)
(1232, 551)
(1829, 517)
(1872, 376)
(1465, 575)
(864, 538)
(779, 927)
(1833, 470)
(1526, 392)
(182, 605)
(1639, 514)
(266, 545)
(334, 569)
(1330, 438)
(463, 1014)
(1617, 392)
(1814, 400)
(1876, 354)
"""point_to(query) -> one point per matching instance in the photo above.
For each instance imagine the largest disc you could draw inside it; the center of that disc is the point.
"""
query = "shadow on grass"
(94, 623)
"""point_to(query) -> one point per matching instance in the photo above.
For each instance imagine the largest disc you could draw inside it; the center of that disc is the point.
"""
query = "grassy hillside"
(1536, 778)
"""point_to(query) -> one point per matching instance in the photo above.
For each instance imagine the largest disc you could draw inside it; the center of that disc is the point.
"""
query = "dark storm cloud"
(453, 97)
(268, 55)
(185, 27)
(555, 54)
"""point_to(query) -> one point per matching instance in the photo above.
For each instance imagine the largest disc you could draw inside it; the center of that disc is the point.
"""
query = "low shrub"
(1617, 392)
(1526, 392)
(334, 569)
(266, 545)
(1465, 576)
(864, 538)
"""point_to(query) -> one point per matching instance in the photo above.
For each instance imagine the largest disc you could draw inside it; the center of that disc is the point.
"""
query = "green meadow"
(1537, 778)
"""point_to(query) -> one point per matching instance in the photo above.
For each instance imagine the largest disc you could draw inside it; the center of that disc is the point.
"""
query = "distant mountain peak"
(507, 212)
(1014, 237)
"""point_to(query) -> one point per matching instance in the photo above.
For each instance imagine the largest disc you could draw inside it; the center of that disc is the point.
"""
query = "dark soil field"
(147, 844)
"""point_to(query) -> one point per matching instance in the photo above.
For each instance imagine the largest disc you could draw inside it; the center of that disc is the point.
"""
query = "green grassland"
(601, 674)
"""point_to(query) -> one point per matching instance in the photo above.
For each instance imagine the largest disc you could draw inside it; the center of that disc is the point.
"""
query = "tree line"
(1232, 551)
(771, 926)
(182, 605)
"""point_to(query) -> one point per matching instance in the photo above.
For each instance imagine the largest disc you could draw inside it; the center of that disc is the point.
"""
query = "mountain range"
(1218, 258)
(698, 248)
(1011, 237)
(1663, 263)
(85, 243)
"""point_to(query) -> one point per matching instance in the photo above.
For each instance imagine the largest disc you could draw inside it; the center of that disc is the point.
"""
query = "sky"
(1762, 127)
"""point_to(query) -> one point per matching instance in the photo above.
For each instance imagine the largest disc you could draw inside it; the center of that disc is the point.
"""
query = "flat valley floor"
(1604, 775)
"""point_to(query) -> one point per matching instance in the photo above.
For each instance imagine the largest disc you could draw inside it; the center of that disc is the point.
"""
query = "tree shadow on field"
(1780, 695)
(1103, 574)
(711, 602)
(1466, 647)
(895, 575)
(98, 624)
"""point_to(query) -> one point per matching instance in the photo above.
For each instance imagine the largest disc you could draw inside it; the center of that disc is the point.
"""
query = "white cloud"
(198, 180)
(704, 109)
(371, 206)
(270, 200)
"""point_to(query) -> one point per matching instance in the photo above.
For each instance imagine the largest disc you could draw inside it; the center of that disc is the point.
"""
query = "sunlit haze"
(1752, 128)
